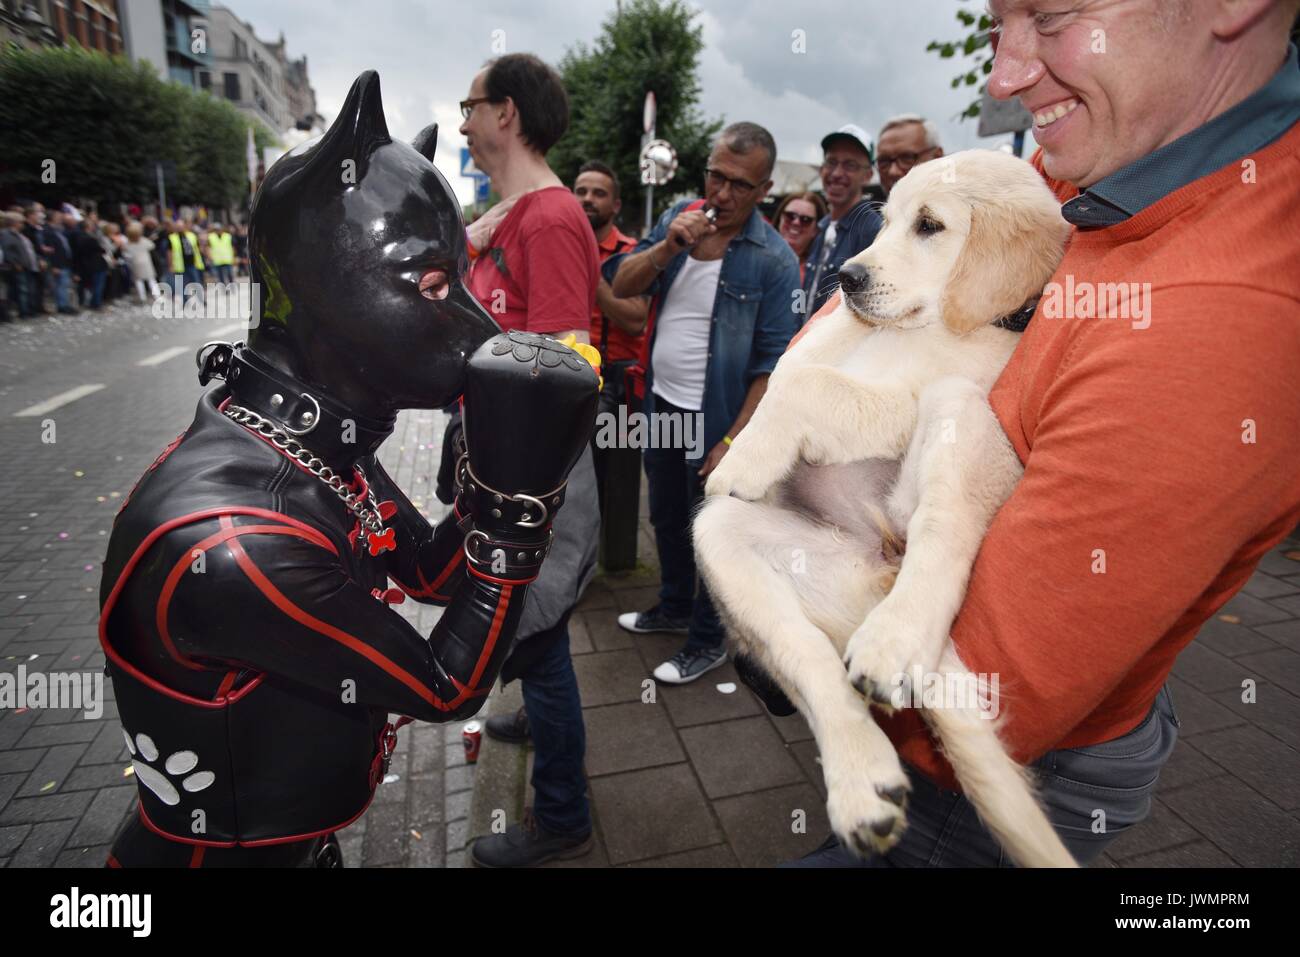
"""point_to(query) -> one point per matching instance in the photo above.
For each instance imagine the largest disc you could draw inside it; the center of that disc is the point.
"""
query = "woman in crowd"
(114, 243)
(796, 220)
(139, 258)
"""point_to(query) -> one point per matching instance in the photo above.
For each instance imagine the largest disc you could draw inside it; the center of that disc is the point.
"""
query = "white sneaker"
(685, 666)
(654, 620)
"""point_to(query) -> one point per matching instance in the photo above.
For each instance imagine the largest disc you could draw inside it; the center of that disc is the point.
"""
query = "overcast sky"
(864, 62)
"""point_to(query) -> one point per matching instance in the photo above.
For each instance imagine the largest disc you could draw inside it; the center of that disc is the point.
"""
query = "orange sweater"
(1161, 462)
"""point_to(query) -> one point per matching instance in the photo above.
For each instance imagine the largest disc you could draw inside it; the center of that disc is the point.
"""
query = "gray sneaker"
(654, 620)
(685, 666)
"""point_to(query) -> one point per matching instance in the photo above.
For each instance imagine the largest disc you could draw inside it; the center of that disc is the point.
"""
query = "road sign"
(482, 187)
(168, 171)
(467, 167)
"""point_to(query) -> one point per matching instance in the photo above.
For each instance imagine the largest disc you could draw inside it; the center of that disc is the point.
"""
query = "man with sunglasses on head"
(852, 223)
(905, 141)
(724, 290)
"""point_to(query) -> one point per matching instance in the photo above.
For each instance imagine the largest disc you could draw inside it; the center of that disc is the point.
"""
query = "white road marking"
(62, 399)
(158, 358)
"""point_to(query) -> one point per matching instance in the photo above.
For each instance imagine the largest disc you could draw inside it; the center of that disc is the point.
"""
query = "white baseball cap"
(851, 131)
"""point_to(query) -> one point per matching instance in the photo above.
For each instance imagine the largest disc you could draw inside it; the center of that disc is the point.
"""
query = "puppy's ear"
(426, 141)
(1012, 250)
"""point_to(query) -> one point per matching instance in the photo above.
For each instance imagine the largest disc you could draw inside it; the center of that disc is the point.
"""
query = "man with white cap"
(852, 223)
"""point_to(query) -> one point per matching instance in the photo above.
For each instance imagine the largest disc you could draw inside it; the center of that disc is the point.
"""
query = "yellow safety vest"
(222, 248)
(178, 260)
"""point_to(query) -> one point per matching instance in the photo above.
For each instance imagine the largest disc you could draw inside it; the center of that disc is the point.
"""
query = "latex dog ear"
(426, 141)
(358, 131)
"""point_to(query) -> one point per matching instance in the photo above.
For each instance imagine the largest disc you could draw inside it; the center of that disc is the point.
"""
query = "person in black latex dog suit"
(244, 601)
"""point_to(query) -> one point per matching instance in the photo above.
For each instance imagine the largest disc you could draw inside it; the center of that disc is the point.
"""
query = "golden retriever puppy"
(876, 430)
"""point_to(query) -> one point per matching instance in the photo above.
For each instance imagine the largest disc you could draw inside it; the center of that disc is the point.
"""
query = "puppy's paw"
(867, 809)
(887, 654)
(742, 475)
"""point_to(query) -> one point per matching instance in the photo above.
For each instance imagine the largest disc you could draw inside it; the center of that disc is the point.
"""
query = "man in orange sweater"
(1152, 400)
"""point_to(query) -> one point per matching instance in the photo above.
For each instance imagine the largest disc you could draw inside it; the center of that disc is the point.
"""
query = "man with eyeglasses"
(535, 270)
(905, 141)
(852, 223)
(723, 299)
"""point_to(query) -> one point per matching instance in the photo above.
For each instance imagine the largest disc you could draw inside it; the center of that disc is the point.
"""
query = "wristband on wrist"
(726, 440)
(658, 268)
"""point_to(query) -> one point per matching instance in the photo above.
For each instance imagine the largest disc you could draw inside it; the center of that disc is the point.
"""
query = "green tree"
(78, 124)
(652, 45)
(974, 44)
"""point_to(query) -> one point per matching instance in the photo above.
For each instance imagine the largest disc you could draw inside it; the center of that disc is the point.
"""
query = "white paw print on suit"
(178, 763)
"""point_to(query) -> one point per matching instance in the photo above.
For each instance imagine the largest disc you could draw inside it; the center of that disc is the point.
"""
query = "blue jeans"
(559, 737)
(675, 491)
(62, 290)
(93, 289)
(1117, 777)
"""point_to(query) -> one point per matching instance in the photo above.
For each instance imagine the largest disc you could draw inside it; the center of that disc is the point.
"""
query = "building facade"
(94, 24)
(167, 34)
(256, 76)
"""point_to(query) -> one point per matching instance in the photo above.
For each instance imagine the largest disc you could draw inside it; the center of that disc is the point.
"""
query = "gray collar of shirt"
(1251, 125)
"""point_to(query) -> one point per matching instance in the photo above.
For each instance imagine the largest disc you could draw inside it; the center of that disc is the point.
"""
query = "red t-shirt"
(539, 273)
(618, 344)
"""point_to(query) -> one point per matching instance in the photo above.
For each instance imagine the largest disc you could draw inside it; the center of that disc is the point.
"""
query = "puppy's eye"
(928, 226)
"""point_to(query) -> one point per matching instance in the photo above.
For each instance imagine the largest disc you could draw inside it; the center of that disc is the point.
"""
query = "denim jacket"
(856, 231)
(753, 314)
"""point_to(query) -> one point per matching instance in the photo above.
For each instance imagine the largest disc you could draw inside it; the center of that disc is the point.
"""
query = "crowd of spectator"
(67, 260)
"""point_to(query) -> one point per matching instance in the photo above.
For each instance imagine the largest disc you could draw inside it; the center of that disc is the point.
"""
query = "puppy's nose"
(854, 277)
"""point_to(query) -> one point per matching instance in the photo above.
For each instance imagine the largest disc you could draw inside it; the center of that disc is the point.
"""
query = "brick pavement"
(702, 778)
(63, 790)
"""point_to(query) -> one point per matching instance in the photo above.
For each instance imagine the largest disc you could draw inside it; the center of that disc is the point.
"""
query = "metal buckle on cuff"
(468, 538)
(465, 472)
(469, 553)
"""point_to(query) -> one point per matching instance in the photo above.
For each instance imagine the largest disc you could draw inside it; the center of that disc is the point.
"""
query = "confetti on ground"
(89, 568)
(114, 494)
(32, 657)
(417, 835)
(128, 771)
(392, 778)
(727, 687)
(63, 535)
(1294, 556)
(1230, 619)
(101, 498)
(47, 785)
(19, 710)
(78, 473)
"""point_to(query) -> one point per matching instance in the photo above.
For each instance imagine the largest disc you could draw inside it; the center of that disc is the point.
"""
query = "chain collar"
(367, 512)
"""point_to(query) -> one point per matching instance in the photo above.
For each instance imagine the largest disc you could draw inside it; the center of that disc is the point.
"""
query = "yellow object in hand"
(588, 352)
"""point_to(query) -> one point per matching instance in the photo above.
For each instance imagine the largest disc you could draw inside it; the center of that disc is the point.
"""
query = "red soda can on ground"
(472, 736)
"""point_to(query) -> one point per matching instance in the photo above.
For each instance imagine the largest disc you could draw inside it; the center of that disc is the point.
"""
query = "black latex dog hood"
(342, 230)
